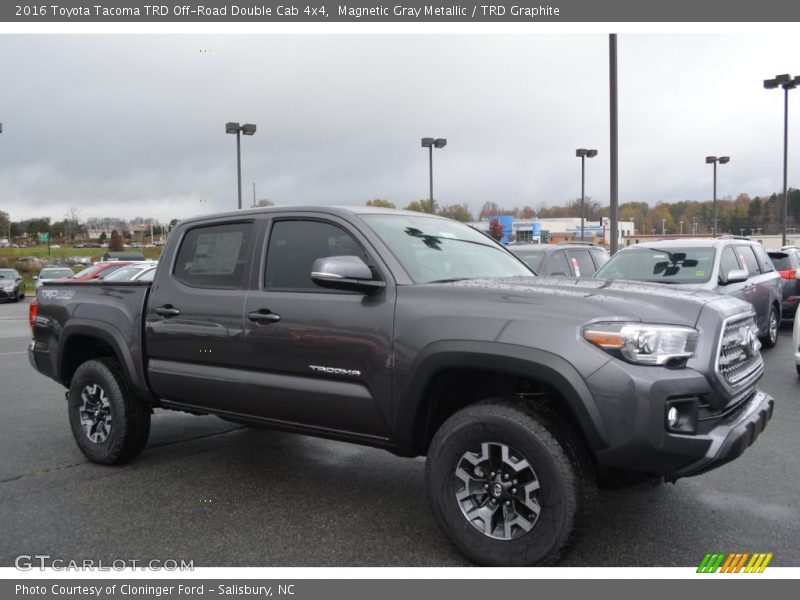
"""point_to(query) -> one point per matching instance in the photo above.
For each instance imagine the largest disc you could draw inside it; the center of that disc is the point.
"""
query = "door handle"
(168, 311)
(263, 316)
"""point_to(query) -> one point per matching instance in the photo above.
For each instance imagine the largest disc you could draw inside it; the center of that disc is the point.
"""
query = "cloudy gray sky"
(133, 125)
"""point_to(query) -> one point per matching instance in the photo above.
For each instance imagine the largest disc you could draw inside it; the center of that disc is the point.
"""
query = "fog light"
(672, 416)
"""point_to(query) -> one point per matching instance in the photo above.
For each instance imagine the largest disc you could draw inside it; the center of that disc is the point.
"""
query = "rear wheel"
(108, 424)
(770, 338)
(509, 485)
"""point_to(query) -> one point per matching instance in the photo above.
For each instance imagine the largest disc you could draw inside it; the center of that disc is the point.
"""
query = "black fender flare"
(512, 359)
(111, 336)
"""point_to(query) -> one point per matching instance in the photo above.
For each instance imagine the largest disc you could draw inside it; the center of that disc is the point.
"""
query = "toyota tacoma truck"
(422, 336)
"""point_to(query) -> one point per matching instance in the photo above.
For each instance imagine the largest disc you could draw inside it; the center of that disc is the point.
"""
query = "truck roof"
(339, 210)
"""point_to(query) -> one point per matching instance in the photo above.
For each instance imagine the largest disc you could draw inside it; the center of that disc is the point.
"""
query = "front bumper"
(632, 402)
(733, 435)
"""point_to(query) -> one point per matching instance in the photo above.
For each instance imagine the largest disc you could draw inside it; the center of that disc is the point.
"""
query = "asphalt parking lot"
(224, 495)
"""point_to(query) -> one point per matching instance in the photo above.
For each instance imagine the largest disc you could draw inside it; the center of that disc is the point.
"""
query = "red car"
(98, 270)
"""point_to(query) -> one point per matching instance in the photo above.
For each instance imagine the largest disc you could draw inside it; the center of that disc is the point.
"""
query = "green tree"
(115, 243)
(381, 203)
(5, 221)
(424, 206)
(103, 237)
(458, 212)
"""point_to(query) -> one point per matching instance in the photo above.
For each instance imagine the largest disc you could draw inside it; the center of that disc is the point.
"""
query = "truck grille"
(739, 355)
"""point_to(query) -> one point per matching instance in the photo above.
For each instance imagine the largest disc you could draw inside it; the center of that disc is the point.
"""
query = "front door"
(319, 357)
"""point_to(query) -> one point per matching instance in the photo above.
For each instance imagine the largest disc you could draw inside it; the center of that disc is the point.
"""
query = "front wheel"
(770, 338)
(108, 424)
(509, 485)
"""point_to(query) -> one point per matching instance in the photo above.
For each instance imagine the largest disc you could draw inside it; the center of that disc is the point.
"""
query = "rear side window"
(781, 260)
(215, 256)
(295, 245)
(582, 263)
(747, 260)
(556, 264)
(763, 259)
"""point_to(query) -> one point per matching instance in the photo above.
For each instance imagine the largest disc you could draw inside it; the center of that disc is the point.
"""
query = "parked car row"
(732, 266)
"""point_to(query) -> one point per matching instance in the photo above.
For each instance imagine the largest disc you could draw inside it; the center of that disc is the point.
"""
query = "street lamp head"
(231, 127)
(724, 159)
(581, 152)
(427, 142)
(780, 80)
(591, 153)
(248, 129)
(439, 143)
(711, 159)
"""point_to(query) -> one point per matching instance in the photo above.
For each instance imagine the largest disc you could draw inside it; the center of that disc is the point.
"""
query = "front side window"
(436, 250)
(728, 262)
(215, 256)
(661, 265)
(747, 260)
(556, 264)
(582, 263)
(294, 246)
(532, 258)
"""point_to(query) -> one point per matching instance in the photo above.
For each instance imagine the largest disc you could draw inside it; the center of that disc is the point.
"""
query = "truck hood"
(591, 299)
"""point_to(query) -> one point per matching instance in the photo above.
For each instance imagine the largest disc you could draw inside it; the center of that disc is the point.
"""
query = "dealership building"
(553, 231)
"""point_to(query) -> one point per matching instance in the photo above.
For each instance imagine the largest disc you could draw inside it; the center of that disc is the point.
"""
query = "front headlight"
(643, 343)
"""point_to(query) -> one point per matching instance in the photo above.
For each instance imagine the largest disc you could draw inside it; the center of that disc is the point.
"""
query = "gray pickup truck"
(422, 336)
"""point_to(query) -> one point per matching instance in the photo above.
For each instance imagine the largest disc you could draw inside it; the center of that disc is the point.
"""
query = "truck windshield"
(674, 265)
(434, 250)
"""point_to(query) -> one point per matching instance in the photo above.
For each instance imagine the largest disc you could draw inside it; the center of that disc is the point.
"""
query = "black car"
(787, 263)
(570, 260)
(12, 287)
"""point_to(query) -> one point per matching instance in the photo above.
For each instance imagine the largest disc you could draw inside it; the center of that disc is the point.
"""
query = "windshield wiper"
(451, 280)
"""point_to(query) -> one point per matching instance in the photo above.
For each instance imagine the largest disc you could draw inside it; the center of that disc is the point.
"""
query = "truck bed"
(67, 310)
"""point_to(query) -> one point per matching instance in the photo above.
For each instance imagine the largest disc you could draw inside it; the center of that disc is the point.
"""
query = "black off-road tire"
(770, 339)
(563, 467)
(130, 417)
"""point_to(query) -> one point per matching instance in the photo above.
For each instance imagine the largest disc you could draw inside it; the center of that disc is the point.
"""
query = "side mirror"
(36, 278)
(344, 273)
(736, 276)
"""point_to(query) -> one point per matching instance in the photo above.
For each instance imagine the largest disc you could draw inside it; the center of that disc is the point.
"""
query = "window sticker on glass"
(576, 267)
(699, 273)
(217, 253)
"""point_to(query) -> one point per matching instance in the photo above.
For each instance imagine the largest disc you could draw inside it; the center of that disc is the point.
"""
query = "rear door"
(194, 328)
(323, 357)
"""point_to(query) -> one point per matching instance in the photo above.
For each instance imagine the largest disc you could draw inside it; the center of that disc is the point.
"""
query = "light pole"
(663, 227)
(787, 83)
(431, 143)
(714, 160)
(247, 129)
(681, 224)
(583, 153)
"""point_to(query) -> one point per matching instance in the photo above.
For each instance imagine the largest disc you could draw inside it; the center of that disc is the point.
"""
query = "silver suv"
(733, 266)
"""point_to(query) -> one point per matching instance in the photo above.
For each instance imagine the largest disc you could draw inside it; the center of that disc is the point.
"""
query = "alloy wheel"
(496, 489)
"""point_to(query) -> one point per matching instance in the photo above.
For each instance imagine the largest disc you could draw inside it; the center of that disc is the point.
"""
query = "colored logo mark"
(734, 562)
